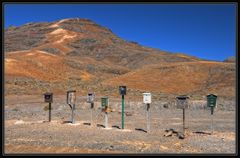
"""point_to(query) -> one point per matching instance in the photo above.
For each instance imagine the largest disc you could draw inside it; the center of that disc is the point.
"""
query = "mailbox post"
(182, 103)
(48, 98)
(122, 91)
(147, 100)
(211, 102)
(90, 99)
(104, 102)
(71, 99)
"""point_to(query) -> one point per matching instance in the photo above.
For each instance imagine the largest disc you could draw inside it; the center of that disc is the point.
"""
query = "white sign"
(147, 98)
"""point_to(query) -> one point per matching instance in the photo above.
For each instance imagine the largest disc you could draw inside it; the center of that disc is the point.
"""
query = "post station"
(182, 103)
(90, 99)
(71, 99)
(122, 91)
(105, 109)
(147, 99)
(48, 98)
(211, 102)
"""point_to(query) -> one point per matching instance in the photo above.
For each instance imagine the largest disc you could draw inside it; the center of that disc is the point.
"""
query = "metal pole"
(106, 120)
(148, 118)
(91, 114)
(212, 120)
(183, 121)
(122, 111)
(49, 112)
(73, 110)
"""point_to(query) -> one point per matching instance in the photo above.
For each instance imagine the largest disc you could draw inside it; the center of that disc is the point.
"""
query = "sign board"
(104, 101)
(48, 97)
(71, 97)
(211, 100)
(122, 90)
(182, 102)
(90, 98)
(147, 98)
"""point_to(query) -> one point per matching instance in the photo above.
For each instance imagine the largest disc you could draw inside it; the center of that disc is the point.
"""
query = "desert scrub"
(46, 108)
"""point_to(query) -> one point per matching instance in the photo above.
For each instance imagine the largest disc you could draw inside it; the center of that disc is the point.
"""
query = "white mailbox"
(147, 98)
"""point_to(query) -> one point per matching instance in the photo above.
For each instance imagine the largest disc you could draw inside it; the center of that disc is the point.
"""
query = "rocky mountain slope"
(80, 54)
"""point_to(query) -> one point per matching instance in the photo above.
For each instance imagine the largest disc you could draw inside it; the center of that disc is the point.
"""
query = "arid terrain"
(27, 129)
(78, 54)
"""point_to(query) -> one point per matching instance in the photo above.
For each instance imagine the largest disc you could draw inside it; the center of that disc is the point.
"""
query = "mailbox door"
(104, 102)
(48, 98)
(211, 101)
(147, 98)
(90, 98)
(123, 90)
(182, 103)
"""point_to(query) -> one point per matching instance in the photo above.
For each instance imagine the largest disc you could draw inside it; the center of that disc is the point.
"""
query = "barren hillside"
(80, 54)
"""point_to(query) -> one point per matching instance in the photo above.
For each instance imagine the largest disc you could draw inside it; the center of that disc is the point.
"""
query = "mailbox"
(48, 97)
(147, 98)
(211, 100)
(122, 90)
(90, 98)
(182, 101)
(71, 97)
(104, 102)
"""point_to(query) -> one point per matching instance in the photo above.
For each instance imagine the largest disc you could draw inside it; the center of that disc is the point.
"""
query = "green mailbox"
(104, 101)
(211, 100)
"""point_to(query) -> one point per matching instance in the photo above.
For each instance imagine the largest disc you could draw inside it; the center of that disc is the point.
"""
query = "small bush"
(46, 108)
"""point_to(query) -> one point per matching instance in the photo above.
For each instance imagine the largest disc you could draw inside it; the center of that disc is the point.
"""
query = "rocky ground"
(27, 129)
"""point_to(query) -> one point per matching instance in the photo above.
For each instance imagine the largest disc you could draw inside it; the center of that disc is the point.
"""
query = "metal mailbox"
(90, 98)
(182, 101)
(211, 100)
(48, 97)
(104, 101)
(71, 97)
(122, 90)
(147, 98)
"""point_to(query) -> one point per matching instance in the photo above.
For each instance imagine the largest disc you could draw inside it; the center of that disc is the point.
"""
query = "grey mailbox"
(90, 98)
(182, 101)
(71, 99)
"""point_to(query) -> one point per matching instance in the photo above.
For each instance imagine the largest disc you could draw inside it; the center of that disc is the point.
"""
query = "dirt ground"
(27, 129)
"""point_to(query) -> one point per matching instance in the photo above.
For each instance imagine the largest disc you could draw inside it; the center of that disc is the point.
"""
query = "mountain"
(80, 54)
(231, 59)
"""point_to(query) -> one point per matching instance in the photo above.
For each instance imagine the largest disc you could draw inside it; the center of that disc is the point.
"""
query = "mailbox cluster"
(182, 103)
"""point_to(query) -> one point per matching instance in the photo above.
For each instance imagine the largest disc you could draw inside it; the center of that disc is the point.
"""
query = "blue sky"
(206, 31)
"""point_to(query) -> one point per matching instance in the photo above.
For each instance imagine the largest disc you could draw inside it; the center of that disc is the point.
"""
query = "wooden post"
(49, 117)
(92, 104)
(183, 121)
(73, 111)
(106, 120)
(148, 118)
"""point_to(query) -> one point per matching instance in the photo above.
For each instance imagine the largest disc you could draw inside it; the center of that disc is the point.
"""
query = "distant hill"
(80, 54)
(231, 59)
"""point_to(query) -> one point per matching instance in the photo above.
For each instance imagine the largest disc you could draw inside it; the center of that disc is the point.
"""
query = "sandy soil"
(27, 129)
